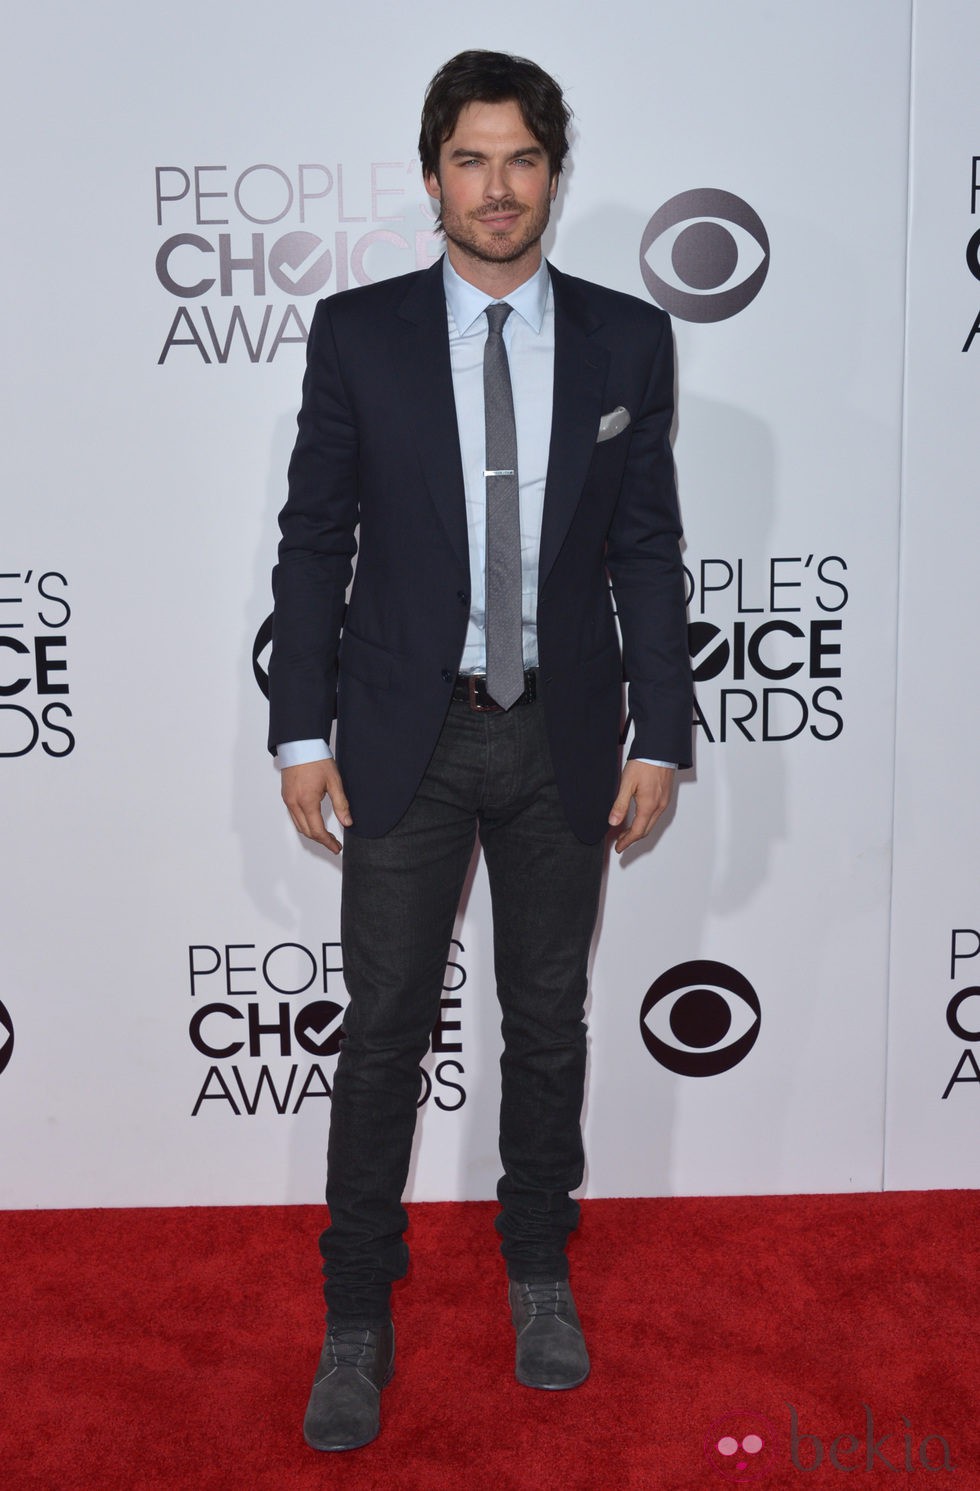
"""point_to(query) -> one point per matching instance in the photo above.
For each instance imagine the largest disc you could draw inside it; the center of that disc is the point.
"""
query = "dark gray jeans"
(400, 896)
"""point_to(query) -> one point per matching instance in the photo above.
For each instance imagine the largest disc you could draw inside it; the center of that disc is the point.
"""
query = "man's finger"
(643, 821)
(303, 791)
(649, 787)
(308, 819)
(338, 797)
(318, 831)
(621, 806)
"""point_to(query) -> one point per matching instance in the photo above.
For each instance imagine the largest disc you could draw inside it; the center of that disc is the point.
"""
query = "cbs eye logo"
(694, 246)
(260, 655)
(700, 1018)
(6, 1038)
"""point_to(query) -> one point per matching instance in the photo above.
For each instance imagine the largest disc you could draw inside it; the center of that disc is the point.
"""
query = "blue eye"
(704, 255)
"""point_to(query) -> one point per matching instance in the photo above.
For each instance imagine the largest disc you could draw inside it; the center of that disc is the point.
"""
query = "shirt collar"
(467, 304)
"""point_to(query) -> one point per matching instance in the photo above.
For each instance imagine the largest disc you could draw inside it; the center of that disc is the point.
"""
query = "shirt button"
(447, 677)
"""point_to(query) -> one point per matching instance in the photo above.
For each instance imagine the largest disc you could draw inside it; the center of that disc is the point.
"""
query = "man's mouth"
(502, 218)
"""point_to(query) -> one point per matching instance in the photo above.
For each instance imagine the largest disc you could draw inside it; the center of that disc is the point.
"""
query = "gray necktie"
(505, 657)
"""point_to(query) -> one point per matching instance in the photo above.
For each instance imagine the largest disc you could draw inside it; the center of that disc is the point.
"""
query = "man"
(499, 434)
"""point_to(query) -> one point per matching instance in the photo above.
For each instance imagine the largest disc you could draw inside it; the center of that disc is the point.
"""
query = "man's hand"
(303, 790)
(650, 788)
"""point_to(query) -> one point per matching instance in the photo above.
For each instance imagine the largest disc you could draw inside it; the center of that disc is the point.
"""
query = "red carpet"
(174, 1349)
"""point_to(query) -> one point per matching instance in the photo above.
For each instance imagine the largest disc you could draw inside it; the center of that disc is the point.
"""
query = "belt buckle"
(479, 708)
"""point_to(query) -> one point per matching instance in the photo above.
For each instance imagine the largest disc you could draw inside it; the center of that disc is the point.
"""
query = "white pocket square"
(613, 424)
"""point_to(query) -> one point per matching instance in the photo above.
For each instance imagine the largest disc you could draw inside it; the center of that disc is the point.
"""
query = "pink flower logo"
(741, 1445)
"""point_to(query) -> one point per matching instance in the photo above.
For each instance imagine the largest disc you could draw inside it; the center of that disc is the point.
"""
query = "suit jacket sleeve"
(316, 553)
(644, 563)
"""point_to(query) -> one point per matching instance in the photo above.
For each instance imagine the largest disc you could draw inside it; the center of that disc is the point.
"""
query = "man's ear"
(431, 182)
(554, 186)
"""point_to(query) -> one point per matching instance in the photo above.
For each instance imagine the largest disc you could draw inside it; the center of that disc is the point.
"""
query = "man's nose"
(496, 183)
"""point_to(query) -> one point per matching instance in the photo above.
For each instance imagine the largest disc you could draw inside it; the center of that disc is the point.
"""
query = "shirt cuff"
(670, 765)
(299, 752)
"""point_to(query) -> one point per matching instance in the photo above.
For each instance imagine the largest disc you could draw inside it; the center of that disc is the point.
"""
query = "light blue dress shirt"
(529, 337)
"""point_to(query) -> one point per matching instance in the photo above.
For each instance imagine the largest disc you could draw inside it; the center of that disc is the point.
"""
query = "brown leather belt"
(471, 689)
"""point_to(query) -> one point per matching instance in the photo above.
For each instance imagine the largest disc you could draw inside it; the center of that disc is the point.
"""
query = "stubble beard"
(499, 248)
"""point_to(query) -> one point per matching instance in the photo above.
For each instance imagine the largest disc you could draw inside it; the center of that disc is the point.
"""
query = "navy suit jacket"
(376, 470)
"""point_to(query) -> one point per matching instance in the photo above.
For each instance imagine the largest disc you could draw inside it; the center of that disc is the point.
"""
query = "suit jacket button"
(462, 597)
(447, 677)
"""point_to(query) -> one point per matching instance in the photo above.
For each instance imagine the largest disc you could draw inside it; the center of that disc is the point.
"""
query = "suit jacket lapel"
(581, 364)
(427, 378)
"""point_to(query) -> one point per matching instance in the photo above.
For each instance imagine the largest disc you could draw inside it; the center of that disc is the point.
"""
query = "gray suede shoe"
(550, 1346)
(344, 1408)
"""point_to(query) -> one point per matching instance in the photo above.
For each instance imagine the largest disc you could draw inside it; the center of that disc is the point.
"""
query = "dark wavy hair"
(493, 78)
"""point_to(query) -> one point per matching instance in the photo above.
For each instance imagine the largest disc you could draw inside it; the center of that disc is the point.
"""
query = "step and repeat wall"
(796, 954)
(933, 1068)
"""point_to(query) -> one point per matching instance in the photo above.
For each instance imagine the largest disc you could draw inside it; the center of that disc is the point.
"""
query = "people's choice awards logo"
(273, 237)
(704, 255)
(700, 1018)
(270, 1023)
(963, 1009)
(6, 1038)
(766, 639)
(34, 618)
(973, 246)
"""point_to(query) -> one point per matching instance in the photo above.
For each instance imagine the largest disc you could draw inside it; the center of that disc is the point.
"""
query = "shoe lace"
(350, 1345)
(545, 1299)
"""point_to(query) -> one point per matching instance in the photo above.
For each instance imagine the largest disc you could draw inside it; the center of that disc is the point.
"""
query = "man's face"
(494, 185)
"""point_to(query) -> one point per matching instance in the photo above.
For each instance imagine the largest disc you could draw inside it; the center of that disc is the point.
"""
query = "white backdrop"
(172, 977)
(934, 1027)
